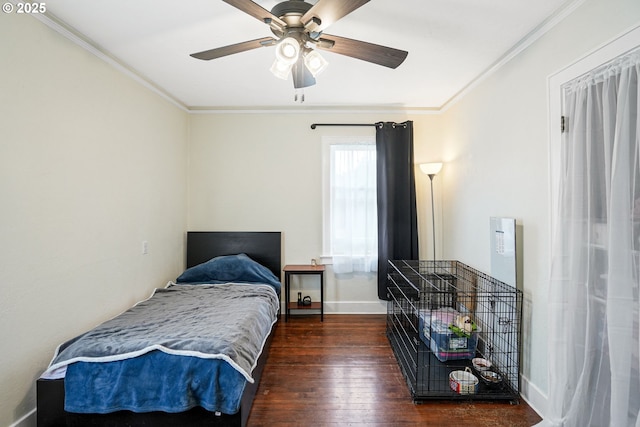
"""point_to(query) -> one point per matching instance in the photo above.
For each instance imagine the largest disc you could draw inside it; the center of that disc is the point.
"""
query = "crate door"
(504, 342)
(498, 318)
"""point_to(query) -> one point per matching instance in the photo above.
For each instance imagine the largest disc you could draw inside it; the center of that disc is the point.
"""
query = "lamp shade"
(281, 69)
(430, 168)
(314, 62)
(287, 50)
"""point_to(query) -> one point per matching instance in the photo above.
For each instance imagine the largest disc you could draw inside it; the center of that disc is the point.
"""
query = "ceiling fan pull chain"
(299, 96)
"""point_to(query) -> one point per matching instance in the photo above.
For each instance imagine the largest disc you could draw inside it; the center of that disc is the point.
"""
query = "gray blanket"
(228, 321)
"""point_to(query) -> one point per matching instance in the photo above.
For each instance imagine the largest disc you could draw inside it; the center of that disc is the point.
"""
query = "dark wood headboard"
(263, 247)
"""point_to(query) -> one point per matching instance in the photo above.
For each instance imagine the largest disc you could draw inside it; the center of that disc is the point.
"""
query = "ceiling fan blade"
(234, 48)
(327, 12)
(257, 11)
(381, 55)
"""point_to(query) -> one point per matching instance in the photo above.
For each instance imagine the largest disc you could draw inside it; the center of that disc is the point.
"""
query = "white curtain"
(593, 332)
(354, 243)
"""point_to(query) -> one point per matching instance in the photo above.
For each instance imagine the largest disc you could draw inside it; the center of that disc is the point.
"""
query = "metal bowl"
(480, 364)
(491, 377)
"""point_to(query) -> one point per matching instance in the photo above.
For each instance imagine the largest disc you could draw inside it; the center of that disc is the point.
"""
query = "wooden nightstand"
(302, 270)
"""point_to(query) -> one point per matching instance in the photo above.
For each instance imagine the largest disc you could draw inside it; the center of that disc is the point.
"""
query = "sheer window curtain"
(354, 243)
(594, 344)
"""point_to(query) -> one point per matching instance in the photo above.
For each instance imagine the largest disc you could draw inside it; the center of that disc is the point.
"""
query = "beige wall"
(91, 165)
(264, 172)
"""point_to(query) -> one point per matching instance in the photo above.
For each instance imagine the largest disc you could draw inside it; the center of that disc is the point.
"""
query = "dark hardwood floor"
(342, 372)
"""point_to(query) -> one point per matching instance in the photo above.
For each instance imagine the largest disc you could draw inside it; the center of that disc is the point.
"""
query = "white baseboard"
(533, 396)
(349, 307)
(355, 307)
(28, 420)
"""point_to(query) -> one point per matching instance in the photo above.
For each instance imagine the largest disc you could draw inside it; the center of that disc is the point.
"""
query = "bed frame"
(263, 247)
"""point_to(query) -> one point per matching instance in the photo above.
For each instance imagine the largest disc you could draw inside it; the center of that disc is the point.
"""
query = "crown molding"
(51, 21)
(355, 109)
(545, 26)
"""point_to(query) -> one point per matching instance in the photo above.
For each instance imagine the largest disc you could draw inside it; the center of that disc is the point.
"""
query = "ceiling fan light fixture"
(281, 69)
(288, 50)
(314, 62)
(298, 26)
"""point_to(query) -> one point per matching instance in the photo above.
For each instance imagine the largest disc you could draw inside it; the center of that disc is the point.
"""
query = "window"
(350, 212)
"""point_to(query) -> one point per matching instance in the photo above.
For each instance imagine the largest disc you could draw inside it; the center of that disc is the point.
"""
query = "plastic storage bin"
(435, 331)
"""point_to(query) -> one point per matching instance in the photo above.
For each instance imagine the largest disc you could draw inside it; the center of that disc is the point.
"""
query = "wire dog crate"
(454, 330)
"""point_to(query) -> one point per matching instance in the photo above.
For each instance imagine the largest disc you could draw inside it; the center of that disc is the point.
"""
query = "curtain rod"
(313, 126)
(378, 124)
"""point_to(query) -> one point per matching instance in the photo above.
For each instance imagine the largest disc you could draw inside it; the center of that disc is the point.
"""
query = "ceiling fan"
(298, 27)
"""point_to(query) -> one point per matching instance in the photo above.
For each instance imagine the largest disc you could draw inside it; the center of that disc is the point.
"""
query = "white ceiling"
(450, 43)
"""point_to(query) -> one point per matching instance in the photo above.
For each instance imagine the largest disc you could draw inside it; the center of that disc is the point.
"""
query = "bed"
(196, 355)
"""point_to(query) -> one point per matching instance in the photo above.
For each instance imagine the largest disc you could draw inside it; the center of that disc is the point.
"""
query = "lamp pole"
(433, 219)
(431, 170)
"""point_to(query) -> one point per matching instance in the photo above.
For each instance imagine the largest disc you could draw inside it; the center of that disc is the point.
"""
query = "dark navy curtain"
(397, 218)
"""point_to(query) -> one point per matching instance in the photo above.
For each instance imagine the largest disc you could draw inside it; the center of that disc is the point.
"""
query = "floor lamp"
(432, 169)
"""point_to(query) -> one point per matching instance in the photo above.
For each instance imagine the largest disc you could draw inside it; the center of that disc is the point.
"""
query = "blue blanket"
(186, 346)
(182, 383)
(238, 268)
